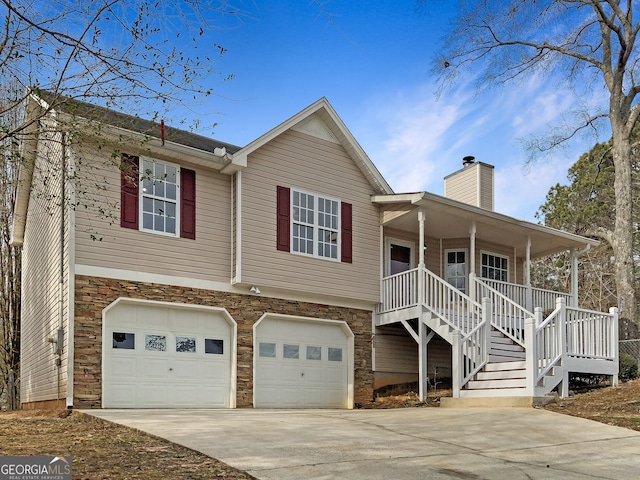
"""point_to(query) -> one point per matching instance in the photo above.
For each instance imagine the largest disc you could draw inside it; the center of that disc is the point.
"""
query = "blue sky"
(374, 68)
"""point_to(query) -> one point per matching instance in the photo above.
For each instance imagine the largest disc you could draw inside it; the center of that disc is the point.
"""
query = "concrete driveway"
(418, 443)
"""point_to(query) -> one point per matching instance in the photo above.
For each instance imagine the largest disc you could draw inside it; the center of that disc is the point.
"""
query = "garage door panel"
(214, 397)
(290, 373)
(151, 317)
(155, 368)
(168, 366)
(123, 395)
(186, 369)
(314, 374)
(122, 367)
(153, 394)
(314, 398)
(295, 371)
(335, 376)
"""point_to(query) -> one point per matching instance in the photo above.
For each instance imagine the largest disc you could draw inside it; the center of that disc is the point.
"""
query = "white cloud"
(416, 140)
(520, 190)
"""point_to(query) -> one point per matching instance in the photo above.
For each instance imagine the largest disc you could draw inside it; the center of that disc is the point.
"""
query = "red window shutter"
(129, 186)
(346, 247)
(283, 222)
(187, 203)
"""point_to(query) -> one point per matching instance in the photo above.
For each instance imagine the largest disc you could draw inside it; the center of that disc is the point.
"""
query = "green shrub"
(628, 367)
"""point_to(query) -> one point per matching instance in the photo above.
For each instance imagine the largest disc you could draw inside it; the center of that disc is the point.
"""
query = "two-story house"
(166, 269)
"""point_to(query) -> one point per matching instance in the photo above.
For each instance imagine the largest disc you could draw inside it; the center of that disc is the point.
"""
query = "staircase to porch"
(500, 348)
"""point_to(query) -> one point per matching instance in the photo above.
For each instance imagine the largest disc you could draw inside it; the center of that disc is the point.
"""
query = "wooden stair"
(505, 373)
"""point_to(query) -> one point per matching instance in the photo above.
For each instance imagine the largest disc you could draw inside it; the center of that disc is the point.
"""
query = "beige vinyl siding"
(472, 185)
(432, 253)
(208, 257)
(486, 186)
(300, 161)
(463, 186)
(397, 352)
(40, 378)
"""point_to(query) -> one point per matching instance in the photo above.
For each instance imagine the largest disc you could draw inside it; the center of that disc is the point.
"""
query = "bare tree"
(141, 56)
(10, 266)
(588, 45)
(131, 55)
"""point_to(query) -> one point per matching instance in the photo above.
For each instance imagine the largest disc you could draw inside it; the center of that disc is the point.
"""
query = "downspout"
(59, 339)
(527, 276)
(574, 273)
(472, 261)
(422, 344)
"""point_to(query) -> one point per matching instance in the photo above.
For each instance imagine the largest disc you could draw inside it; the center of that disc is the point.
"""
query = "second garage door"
(302, 363)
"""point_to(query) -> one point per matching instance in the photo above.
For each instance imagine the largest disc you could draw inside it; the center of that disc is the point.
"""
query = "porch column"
(574, 277)
(527, 276)
(472, 248)
(421, 239)
(471, 291)
(422, 342)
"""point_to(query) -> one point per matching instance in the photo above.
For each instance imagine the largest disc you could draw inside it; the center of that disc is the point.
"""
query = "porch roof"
(446, 218)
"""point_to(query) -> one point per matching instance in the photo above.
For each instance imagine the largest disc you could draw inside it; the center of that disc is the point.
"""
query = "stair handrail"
(471, 350)
(506, 315)
(549, 339)
(448, 303)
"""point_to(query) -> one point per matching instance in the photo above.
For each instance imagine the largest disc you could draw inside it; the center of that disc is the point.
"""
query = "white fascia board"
(397, 198)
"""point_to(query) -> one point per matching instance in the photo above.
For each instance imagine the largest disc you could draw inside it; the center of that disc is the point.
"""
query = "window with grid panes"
(315, 225)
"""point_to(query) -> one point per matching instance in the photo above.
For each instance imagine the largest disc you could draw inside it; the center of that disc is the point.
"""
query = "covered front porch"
(464, 273)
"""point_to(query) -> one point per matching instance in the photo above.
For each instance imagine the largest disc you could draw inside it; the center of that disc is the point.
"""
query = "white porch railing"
(470, 351)
(548, 341)
(528, 297)
(506, 315)
(449, 303)
(568, 332)
(399, 291)
(592, 334)
(546, 299)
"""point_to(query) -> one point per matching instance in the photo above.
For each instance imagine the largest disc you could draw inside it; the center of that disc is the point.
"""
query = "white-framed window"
(159, 197)
(315, 225)
(456, 268)
(495, 267)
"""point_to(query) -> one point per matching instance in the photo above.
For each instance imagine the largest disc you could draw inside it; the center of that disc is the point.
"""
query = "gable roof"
(337, 129)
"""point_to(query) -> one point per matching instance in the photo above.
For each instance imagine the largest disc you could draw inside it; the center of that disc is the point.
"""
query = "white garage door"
(161, 356)
(301, 364)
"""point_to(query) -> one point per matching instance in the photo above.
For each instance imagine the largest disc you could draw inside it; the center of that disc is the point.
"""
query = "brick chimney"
(472, 184)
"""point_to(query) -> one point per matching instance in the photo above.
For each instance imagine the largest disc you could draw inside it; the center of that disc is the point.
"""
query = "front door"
(399, 256)
(456, 270)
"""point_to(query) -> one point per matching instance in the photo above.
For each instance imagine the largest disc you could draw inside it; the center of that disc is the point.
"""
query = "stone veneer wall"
(93, 294)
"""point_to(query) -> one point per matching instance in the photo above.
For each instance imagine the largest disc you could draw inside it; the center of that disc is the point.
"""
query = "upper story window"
(495, 267)
(315, 223)
(159, 196)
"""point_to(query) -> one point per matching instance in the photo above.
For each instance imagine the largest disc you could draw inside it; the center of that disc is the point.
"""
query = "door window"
(456, 271)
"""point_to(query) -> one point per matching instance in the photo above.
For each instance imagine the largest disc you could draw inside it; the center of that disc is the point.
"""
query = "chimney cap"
(468, 160)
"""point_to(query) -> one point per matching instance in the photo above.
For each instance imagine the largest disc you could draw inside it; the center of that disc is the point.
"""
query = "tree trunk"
(622, 243)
